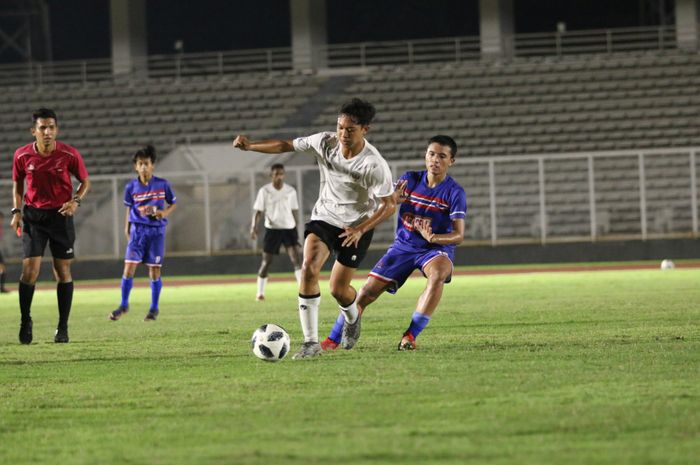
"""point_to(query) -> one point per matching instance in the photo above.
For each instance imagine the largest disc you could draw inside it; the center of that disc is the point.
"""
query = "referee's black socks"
(26, 294)
(64, 293)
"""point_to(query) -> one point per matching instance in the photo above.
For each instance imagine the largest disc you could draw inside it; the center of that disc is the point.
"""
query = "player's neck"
(45, 149)
(434, 179)
(278, 186)
(349, 153)
(145, 180)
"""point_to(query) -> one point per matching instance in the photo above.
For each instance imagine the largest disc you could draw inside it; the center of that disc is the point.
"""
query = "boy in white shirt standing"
(278, 202)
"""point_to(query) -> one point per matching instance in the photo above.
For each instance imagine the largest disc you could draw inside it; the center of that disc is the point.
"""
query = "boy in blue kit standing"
(146, 218)
(431, 223)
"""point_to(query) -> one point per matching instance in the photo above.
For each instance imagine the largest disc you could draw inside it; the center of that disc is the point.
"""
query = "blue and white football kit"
(147, 233)
(437, 207)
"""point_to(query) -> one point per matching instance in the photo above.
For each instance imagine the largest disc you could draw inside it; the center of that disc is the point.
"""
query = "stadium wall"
(466, 256)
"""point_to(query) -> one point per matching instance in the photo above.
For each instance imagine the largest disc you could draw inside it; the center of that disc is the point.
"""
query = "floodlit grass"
(541, 368)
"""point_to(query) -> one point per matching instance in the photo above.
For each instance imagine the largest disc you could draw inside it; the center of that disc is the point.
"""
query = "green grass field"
(541, 368)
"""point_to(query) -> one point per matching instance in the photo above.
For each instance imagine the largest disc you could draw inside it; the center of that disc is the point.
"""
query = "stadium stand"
(534, 105)
(538, 105)
(106, 121)
(526, 106)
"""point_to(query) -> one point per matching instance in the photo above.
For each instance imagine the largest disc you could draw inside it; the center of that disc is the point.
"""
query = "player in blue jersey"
(430, 225)
(149, 201)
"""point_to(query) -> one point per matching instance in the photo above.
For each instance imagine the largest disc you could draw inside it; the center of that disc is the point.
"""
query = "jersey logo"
(411, 221)
(30, 167)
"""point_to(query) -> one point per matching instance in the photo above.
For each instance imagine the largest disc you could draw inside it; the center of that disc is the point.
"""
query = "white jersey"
(349, 187)
(277, 205)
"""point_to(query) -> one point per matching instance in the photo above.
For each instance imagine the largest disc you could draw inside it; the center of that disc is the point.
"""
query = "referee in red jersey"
(45, 168)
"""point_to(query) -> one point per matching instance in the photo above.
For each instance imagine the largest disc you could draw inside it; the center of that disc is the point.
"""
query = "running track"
(174, 281)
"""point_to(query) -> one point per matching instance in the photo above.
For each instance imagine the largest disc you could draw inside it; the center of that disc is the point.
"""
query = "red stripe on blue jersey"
(143, 196)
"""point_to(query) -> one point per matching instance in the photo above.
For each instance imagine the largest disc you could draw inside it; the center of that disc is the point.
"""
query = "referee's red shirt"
(48, 182)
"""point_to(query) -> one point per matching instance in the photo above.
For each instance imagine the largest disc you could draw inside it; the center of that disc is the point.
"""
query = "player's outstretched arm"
(264, 146)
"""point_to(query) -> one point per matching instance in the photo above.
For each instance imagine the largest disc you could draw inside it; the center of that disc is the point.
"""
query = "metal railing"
(363, 54)
(599, 41)
(644, 194)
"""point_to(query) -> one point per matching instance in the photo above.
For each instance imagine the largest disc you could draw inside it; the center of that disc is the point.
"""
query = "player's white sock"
(350, 312)
(308, 316)
(297, 274)
(262, 282)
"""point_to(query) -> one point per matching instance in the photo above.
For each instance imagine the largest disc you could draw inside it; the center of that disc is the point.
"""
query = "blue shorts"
(146, 244)
(396, 265)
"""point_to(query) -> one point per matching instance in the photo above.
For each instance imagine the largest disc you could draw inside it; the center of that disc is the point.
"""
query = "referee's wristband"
(14, 211)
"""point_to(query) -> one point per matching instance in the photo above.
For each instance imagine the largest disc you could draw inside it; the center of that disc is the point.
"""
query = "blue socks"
(156, 286)
(418, 323)
(127, 284)
(337, 332)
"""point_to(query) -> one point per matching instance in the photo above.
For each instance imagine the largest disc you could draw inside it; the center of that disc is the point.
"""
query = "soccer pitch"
(539, 368)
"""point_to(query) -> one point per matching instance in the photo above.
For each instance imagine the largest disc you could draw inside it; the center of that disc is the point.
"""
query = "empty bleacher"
(107, 122)
(633, 101)
(539, 105)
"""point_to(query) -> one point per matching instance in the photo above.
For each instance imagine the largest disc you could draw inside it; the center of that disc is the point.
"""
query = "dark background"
(80, 29)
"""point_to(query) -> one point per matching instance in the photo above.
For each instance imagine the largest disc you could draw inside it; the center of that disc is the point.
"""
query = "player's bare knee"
(154, 273)
(309, 273)
(263, 270)
(29, 276)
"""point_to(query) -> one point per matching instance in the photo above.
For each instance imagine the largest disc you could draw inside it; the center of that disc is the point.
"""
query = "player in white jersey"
(355, 195)
(278, 203)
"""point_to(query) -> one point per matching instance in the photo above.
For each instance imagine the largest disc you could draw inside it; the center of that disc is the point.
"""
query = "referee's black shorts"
(42, 226)
(349, 256)
(274, 238)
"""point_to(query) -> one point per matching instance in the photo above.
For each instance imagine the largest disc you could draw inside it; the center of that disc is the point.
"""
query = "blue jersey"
(145, 199)
(438, 206)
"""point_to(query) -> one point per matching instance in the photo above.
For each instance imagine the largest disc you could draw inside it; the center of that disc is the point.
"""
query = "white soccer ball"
(270, 342)
(667, 264)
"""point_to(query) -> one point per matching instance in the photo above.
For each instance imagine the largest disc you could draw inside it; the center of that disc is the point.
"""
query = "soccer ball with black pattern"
(270, 342)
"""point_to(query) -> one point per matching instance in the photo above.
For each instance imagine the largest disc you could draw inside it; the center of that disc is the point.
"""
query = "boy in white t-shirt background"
(278, 203)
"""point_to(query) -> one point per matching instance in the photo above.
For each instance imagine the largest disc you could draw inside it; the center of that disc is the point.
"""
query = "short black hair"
(360, 111)
(445, 140)
(43, 113)
(277, 166)
(146, 152)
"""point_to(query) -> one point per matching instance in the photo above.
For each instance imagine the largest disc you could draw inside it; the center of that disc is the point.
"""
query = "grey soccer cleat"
(308, 350)
(351, 333)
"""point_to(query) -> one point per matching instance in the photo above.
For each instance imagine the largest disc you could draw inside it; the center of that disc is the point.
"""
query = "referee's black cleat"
(25, 331)
(61, 335)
